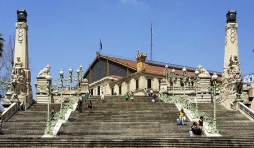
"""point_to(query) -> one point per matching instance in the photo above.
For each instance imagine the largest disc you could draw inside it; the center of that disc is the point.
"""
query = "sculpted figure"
(234, 64)
(44, 71)
(202, 70)
(18, 63)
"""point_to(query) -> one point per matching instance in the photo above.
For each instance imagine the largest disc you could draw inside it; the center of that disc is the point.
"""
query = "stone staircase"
(29, 123)
(117, 123)
(229, 123)
(118, 119)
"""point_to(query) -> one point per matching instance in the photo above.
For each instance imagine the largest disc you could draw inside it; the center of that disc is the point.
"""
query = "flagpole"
(151, 58)
(100, 46)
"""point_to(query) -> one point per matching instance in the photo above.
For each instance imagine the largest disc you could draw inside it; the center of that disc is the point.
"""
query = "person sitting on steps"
(181, 117)
(194, 128)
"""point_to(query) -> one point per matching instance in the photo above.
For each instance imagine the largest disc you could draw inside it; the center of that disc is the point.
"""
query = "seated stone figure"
(18, 63)
(44, 71)
(202, 71)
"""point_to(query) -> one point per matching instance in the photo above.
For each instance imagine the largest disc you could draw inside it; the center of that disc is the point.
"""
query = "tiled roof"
(152, 66)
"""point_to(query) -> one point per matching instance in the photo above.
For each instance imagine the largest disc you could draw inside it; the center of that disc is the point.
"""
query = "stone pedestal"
(84, 87)
(163, 86)
(204, 83)
(41, 90)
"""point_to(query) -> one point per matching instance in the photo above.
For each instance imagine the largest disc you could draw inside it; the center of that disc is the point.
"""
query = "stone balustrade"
(12, 109)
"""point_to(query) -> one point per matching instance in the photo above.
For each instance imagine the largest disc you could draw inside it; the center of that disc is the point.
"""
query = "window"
(137, 84)
(98, 91)
(112, 91)
(149, 83)
(120, 90)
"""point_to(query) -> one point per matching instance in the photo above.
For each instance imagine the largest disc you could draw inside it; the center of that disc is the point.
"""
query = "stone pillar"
(84, 87)
(231, 39)
(41, 85)
(231, 77)
(41, 92)
(21, 77)
(164, 86)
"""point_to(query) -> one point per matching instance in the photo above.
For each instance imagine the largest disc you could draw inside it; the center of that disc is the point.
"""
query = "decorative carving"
(202, 71)
(232, 77)
(44, 71)
(18, 63)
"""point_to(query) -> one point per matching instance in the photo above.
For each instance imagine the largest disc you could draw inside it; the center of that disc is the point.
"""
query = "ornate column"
(20, 78)
(231, 39)
(231, 77)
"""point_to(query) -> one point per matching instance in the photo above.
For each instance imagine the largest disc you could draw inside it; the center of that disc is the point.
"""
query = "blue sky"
(185, 32)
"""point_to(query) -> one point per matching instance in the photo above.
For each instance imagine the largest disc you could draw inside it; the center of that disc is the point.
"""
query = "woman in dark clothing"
(90, 106)
(200, 124)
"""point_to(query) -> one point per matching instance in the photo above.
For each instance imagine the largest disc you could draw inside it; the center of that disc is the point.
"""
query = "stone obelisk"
(21, 90)
(231, 39)
(231, 77)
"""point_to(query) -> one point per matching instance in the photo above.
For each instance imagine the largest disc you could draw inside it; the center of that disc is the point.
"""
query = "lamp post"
(166, 72)
(78, 78)
(196, 81)
(173, 78)
(68, 79)
(61, 116)
(184, 79)
(47, 86)
(214, 88)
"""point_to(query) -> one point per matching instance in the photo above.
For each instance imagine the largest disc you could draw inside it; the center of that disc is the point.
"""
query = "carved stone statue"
(202, 71)
(18, 63)
(44, 71)
(232, 77)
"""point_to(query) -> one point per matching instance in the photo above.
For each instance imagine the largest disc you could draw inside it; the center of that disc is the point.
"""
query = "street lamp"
(78, 78)
(48, 126)
(61, 116)
(214, 88)
(173, 78)
(184, 79)
(67, 79)
(166, 72)
(196, 81)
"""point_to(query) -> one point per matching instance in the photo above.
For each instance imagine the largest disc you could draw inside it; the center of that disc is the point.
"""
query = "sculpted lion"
(44, 71)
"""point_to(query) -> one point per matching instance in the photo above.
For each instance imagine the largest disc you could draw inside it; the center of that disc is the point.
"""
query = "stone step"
(130, 141)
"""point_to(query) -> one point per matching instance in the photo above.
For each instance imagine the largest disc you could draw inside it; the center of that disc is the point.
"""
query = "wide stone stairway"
(118, 119)
(117, 123)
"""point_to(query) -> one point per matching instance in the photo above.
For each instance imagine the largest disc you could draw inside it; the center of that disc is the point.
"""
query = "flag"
(100, 45)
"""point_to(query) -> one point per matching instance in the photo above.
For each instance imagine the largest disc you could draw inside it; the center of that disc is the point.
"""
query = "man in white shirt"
(102, 97)
(151, 93)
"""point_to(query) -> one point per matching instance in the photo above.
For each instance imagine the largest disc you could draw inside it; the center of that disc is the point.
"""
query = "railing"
(245, 109)
(12, 109)
(232, 105)
(190, 110)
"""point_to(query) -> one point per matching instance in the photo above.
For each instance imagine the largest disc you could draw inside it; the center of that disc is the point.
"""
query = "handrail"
(245, 109)
(208, 120)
